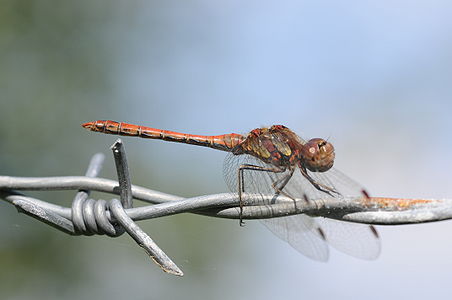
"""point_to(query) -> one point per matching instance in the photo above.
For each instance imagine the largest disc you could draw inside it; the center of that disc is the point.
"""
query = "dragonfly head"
(317, 155)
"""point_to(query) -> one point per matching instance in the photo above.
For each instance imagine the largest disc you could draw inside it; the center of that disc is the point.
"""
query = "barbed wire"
(88, 216)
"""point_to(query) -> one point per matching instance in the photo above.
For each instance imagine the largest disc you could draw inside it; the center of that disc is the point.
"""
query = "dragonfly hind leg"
(278, 190)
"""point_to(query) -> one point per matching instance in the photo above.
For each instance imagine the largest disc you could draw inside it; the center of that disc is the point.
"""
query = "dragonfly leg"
(241, 181)
(321, 187)
(284, 180)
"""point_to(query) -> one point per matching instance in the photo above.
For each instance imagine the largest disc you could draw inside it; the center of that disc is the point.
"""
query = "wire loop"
(89, 217)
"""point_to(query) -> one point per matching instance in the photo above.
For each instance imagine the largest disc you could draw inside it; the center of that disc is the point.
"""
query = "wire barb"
(89, 216)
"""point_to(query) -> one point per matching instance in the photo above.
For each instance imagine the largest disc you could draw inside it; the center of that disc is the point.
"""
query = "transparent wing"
(256, 183)
(306, 234)
(302, 233)
(344, 187)
(358, 240)
(336, 180)
(311, 236)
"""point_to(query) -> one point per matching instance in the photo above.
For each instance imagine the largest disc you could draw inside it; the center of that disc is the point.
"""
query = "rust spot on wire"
(392, 203)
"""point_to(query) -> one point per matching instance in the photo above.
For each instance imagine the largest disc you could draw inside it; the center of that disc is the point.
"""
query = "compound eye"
(319, 156)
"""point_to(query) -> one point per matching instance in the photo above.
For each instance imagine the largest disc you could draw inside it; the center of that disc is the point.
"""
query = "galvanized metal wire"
(88, 216)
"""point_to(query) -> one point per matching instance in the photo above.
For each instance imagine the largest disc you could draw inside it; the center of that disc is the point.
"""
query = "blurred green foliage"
(57, 65)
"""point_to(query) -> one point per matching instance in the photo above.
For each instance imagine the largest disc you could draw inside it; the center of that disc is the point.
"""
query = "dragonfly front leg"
(241, 181)
(321, 187)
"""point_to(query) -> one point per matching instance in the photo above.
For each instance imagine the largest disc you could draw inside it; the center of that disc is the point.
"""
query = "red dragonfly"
(274, 161)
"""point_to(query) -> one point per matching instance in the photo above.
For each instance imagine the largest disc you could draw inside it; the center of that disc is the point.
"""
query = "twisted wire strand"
(88, 216)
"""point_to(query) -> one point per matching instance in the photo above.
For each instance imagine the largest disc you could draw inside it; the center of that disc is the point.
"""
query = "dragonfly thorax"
(276, 145)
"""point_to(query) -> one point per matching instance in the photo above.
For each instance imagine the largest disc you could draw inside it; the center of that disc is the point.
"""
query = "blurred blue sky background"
(375, 77)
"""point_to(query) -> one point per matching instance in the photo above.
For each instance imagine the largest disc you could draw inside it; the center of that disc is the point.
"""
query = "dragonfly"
(276, 161)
